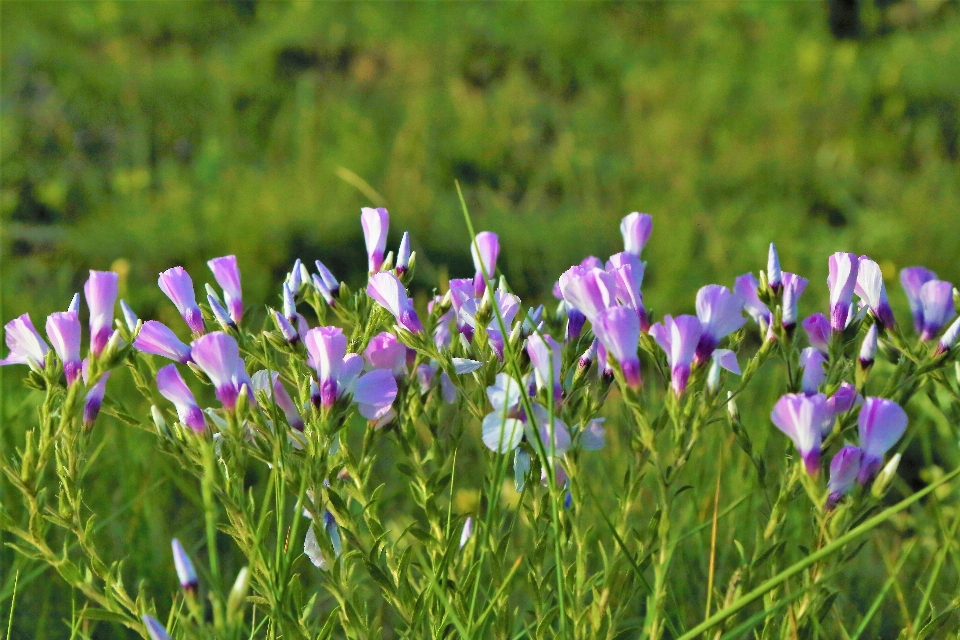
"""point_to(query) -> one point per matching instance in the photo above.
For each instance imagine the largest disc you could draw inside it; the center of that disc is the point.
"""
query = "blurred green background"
(141, 135)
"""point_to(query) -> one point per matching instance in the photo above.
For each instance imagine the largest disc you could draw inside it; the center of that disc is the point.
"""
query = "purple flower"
(844, 399)
(589, 291)
(588, 356)
(154, 629)
(331, 283)
(679, 337)
(873, 292)
(387, 291)
(374, 393)
(627, 271)
(297, 277)
(227, 275)
(546, 357)
(793, 287)
(881, 424)
(156, 338)
(936, 299)
(801, 418)
(385, 352)
(912, 280)
(720, 313)
(221, 315)
(746, 287)
(26, 345)
(268, 382)
(635, 229)
(774, 273)
(844, 469)
(812, 361)
(376, 223)
(721, 359)
(100, 291)
(841, 282)
(868, 348)
(185, 571)
(178, 286)
(949, 337)
(63, 329)
(484, 250)
(129, 317)
(218, 355)
(403, 254)
(171, 386)
(94, 398)
(618, 330)
(818, 332)
(327, 347)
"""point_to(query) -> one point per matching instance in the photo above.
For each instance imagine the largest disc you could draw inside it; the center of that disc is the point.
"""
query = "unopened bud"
(158, 420)
(774, 273)
(732, 409)
(885, 477)
(238, 593)
(868, 349)
(713, 377)
(403, 254)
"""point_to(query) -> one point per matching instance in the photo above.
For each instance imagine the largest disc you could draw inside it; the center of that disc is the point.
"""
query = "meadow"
(141, 136)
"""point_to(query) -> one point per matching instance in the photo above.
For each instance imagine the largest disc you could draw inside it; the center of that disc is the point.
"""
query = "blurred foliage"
(140, 135)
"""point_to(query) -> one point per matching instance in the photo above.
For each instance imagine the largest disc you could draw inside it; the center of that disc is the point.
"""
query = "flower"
(936, 300)
(873, 292)
(129, 317)
(26, 345)
(330, 282)
(178, 286)
(721, 359)
(881, 423)
(154, 629)
(593, 436)
(268, 382)
(94, 399)
(100, 291)
(844, 469)
(679, 337)
(589, 291)
(746, 287)
(949, 337)
(227, 274)
(218, 355)
(185, 570)
(627, 271)
(720, 313)
(793, 286)
(818, 332)
(484, 249)
(774, 273)
(374, 393)
(812, 362)
(172, 387)
(912, 280)
(376, 223)
(546, 357)
(801, 418)
(505, 427)
(157, 338)
(844, 399)
(63, 329)
(618, 330)
(841, 282)
(327, 347)
(385, 352)
(635, 229)
(75, 304)
(389, 293)
(311, 547)
(403, 254)
(222, 316)
(868, 348)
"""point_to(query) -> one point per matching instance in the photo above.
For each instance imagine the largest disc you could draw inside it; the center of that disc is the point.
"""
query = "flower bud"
(885, 477)
(158, 420)
(732, 409)
(467, 532)
(238, 593)
(185, 571)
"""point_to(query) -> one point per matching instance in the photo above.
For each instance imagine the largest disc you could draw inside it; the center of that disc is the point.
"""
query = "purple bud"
(774, 273)
(269, 383)
(376, 223)
(949, 337)
(679, 337)
(75, 304)
(295, 277)
(635, 229)
(26, 345)
(720, 313)
(385, 352)
(388, 291)
(185, 571)
(812, 361)
(793, 287)
(801, 418)
(936, 299)
(546, 357)
(321, 287)
(332, 284)
(156, 338)
(227, 274)
(289, 304)
(171, 386)
(218, 355)
(100, 291)
(844, 469)
(588, 356)
(403, 254)
(94, 399)
(818, 332)
(178, 286)
(221, 315)
(841, 282)
(618, 330)
(881, 423)
(912, 280)
(575, 322)
(63, 330)
(484, 250)
(868, 348)
(154, 629)
(286, 329)
(327, 347)
(873, 292)
(129, 317)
